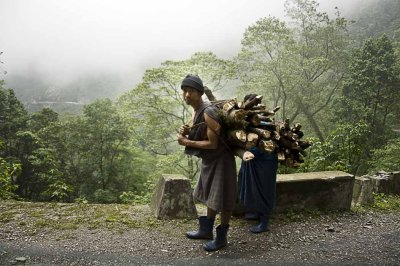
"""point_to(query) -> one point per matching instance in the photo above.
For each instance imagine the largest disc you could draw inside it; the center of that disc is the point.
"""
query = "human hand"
(184, 130)
(182, 140)
(247, 156)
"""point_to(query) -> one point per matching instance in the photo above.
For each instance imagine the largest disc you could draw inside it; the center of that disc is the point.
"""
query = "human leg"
(205, 230)
(262, 226)
(211, 213)
(222, 231)
(206, 225)
(225, 218)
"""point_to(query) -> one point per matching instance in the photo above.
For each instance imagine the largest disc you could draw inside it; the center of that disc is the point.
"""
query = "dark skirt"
(217, 185)
(257, 179)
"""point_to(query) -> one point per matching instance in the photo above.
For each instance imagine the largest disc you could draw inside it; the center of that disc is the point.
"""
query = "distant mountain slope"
(376, 18)
(35, 92)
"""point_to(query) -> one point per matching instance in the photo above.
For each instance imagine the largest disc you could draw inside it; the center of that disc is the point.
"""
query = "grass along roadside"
(38, 216)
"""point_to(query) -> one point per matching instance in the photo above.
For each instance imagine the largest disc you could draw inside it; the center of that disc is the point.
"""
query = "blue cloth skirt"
(257, 180)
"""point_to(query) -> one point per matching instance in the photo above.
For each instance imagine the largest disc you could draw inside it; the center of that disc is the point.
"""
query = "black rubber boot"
(220, 241)
(262, 226)
(205, 229)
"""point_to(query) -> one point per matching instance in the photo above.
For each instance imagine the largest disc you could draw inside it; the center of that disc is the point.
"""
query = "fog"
(63, 41)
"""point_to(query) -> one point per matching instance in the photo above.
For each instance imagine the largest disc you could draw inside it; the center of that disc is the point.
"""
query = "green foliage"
(7, 175)
(371, 90)
(342, 150)
(143, 195)
(177, 163)
(8, 172)
(371, 94)
(13, 118)
(386, 202)
(155, 108)
(129, 197)
(299, 68)
(61, 160)
(100, 153)
(59, 191)
(26, 143)
(71, 216)
(376, 18)
(104, 136)
(104, 196)
(40, 120)
(386, 158)
(81, 201)
(116, 151)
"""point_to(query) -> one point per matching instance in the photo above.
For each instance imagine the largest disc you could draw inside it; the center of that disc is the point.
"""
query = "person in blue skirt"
(257, 186)
(257, 182)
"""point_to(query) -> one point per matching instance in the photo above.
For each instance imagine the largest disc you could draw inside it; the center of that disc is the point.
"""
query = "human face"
(191, 96)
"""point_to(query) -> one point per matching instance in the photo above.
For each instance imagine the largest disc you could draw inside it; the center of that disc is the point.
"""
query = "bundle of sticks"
(251, 124)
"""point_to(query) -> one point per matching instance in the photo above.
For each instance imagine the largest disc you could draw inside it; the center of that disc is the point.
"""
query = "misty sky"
(64, 39)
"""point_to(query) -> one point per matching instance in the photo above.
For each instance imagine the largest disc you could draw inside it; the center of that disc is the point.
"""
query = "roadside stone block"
(396, 182)
(173, 198)
(315, 190)
(362, 191)
(382, 183)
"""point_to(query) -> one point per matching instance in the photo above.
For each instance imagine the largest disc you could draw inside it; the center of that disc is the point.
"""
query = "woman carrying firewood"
(217, 185)
(257, 179)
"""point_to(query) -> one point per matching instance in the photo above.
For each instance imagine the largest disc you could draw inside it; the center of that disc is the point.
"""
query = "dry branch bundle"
(251, 124)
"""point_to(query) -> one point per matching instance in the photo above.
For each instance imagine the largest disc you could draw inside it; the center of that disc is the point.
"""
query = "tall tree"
(156, 109)
(104, 140)
(371, 91)
(13, 118)
(100, 158)
(8, 172)
(47, 161)
(299, 68)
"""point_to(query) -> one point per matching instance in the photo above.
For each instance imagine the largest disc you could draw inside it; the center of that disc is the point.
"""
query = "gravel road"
(348, 238)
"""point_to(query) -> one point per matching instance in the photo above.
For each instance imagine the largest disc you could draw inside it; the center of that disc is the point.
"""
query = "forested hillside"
(376, 18)
(343, 87)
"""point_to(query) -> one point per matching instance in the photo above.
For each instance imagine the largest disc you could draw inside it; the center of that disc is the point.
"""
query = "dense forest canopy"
(338, 77)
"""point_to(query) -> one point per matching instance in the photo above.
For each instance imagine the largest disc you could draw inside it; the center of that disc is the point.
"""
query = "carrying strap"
(201, 112)
(223, 141)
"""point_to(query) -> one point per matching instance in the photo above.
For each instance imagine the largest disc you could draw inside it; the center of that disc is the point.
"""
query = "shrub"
(386, 158)
(104, 196)
(7, 173)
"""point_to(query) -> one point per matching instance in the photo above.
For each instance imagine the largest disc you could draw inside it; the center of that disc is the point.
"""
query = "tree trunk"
(312, 122)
